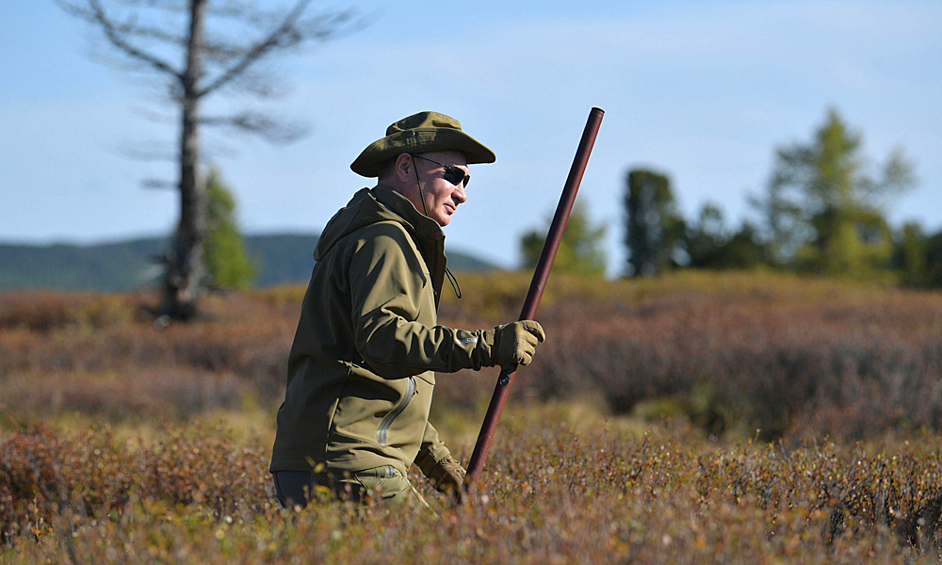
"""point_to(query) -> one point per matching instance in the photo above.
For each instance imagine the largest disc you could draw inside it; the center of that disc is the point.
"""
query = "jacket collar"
(428, 234)
(422, 225)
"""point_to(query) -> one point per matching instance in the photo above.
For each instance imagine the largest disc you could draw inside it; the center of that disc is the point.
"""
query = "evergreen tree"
(580, 249)
(226, 260)
(704, 241)
(824, 211)
(911, 255)
(918, 257)
(654, 227)
(709, 245)
(934, 259)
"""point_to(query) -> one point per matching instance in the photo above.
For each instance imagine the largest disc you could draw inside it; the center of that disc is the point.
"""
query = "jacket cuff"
(486, 347)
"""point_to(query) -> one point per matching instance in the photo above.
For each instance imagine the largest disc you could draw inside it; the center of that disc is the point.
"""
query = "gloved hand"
(447, 476)
(515, 343)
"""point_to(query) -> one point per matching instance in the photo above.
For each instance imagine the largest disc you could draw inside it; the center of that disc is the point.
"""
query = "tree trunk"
(185, 266)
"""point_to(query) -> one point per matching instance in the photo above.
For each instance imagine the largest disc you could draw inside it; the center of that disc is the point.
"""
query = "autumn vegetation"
(687, 418)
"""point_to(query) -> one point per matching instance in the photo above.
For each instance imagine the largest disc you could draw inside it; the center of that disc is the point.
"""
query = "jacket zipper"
(395, 412)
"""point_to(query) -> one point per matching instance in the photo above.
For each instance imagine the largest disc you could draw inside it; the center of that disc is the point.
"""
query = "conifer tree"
(580, 250)
(654, 226)
(825, 211)
(227, 262)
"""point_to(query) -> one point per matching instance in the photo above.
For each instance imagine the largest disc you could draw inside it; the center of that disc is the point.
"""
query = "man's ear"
(403, 168)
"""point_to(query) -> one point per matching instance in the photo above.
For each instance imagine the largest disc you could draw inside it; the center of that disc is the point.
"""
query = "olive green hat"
(420, 133)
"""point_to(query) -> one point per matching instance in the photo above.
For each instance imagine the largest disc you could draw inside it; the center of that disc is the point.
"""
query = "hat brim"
(420, 140)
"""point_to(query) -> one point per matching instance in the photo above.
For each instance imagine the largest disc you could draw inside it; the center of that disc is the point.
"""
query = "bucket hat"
(420, 133)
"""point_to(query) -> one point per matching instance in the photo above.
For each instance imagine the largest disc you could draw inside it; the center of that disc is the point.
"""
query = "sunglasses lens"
(454, 175)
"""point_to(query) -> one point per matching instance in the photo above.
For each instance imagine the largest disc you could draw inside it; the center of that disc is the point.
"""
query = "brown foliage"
(727, 354)
(124, 362)
(44, 473)
(731, 352)
(840, 360)
(555, 490)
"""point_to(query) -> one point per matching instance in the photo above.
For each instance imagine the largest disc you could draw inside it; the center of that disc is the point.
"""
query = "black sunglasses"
(453, 174)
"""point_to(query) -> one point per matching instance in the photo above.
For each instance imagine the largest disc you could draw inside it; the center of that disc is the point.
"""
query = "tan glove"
(447, 476)
(515, 343)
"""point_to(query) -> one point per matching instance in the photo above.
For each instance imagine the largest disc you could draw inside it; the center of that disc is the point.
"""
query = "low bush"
(578, 489)
(45, 474)
(733, 352)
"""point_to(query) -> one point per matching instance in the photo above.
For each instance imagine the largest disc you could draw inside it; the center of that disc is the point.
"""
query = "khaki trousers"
(384, 484)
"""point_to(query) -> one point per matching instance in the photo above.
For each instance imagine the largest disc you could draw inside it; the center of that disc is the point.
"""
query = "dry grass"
(560, 487)
(638, 434)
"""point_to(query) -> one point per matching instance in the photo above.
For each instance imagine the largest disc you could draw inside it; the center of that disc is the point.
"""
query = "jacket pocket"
(400, 407)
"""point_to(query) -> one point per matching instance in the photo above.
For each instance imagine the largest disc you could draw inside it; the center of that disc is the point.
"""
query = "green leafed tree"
(227, 262)
(911, 255)
(655, 229)
(580, 250)
(825, 210)
(706, 238)
(710, 245)
(934, 260)
(918, 257)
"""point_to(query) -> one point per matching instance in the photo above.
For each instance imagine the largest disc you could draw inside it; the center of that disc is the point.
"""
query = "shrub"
(573, 488)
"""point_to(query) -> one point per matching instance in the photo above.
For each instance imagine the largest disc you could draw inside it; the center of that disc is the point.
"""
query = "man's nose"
(459, 194)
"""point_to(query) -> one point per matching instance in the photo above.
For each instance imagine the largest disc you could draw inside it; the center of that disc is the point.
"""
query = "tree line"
(823, 213)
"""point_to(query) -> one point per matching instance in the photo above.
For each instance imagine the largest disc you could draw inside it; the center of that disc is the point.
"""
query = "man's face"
(441, 196)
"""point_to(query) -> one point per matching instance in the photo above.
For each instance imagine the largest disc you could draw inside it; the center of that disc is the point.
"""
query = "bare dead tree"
(169, 40)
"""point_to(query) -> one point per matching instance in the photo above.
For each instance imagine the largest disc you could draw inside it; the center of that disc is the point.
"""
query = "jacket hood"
(369, 206)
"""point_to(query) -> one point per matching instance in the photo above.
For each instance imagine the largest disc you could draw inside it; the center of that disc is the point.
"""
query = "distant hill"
(126, 265)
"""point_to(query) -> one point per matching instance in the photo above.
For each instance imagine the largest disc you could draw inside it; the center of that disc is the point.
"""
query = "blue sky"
(703, 91)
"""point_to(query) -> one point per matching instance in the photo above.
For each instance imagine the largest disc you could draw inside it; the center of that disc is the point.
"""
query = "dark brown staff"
(537, 284)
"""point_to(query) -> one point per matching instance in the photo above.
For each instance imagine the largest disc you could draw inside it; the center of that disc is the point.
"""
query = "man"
(360, 372)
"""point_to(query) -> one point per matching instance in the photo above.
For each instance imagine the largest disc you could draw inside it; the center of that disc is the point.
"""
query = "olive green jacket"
(360, 372)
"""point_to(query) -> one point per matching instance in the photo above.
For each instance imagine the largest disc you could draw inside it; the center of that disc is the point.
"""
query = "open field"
(691, 419)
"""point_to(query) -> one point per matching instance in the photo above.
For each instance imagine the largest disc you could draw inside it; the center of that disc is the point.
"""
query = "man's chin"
(443, 218)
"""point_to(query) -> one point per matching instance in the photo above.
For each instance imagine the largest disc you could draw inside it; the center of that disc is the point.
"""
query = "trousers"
(384, 484)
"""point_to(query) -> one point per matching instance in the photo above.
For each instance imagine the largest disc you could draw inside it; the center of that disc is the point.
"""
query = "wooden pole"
(532, 302)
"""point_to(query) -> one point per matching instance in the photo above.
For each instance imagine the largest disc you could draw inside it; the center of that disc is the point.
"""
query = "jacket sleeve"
(432, 451)
(388, 284)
